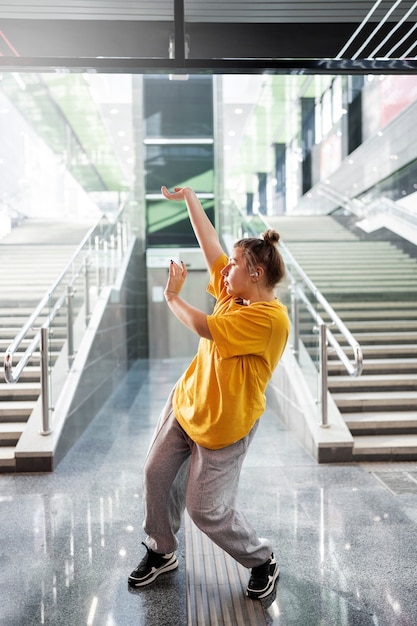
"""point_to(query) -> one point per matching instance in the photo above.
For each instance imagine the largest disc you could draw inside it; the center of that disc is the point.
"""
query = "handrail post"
(295, 323)
(106, 262)
(70, 324)
(46, 419)
(119, 239)
(87, 291)
(98, 262)
(323, 374)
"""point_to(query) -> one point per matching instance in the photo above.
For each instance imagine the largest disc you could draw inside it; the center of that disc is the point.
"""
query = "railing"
(298, 282)
(92, 267)
(370, 205)
(354, 205)
(304, 293)
(386, 206)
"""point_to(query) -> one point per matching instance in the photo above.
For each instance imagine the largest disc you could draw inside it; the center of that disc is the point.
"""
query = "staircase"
(372, 286)
(32, 257)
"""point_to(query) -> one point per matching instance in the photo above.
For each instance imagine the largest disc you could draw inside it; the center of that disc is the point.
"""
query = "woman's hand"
(177, 194)
(176, 278)
(192, 318)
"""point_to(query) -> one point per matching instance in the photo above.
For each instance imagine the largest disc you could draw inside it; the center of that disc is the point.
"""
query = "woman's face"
(236, 275)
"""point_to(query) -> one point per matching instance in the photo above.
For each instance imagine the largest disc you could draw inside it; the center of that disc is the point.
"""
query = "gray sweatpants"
(179, 473)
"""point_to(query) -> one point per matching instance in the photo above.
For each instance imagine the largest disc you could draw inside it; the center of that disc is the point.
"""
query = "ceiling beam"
(209, 66)
(144, 47)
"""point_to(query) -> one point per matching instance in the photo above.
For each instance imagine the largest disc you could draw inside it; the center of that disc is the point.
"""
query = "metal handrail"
(97, 235)
(13, 377)
(354, 205)
(383, 205)
(354, 369)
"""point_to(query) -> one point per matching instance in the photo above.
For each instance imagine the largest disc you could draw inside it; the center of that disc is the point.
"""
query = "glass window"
(179, 165)
(326, 112)
(337, 99)
(168, 224)
(178, 108)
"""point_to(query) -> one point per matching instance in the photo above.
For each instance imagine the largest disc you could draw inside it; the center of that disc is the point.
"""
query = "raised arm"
(204, 230)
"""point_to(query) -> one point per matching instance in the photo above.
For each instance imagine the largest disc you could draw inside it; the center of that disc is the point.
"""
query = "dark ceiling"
(217, 36)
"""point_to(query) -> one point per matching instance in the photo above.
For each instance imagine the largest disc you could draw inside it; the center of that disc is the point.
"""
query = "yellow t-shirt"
(221, 395)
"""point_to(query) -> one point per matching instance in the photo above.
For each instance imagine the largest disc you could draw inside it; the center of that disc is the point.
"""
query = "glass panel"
(178, 108)
(168, 223)
(64, 311)
(306, 344)
(179, 165)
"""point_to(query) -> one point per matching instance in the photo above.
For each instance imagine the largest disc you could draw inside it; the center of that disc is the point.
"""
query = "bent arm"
(204, 230)
(192, 318)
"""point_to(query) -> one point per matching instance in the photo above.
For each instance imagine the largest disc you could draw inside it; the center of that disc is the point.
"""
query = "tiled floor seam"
(216, 585)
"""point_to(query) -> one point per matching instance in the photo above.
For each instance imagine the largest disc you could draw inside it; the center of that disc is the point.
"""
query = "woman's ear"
(259, 271)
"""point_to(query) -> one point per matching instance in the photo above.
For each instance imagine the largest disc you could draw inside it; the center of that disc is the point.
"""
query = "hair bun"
(271, 236)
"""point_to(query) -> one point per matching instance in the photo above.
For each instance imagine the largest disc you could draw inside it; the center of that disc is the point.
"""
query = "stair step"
(385, 448)
(346, 306)
(352, 282)
(355, 249)
(10, 432)
(369, 382)
(59, 332)
(19, 391)
(363, 338)
(366, 290)
(382, 326)
(30, 374)
(18, 410)
(385, 351)
(7, 458)
(376, 422)
(369, 327)
(376, 401)
(5, 343)
(372, 315)
(366, 339)
(382, 338)
(377, 366)
(372, 272)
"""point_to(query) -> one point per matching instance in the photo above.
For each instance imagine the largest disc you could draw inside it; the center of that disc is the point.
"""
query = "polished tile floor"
(345, 542)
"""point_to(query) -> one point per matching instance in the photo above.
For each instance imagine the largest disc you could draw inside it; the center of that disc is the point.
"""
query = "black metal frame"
(211, 66)
(216, 48)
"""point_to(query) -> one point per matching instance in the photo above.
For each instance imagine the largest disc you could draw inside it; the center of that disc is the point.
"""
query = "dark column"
(280, 195)
(263, 202)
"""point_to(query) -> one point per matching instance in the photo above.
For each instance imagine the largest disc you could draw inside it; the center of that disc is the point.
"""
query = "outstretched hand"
(204, 230)
(177, 194)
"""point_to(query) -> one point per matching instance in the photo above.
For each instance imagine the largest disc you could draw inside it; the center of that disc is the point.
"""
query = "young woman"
(211, 415)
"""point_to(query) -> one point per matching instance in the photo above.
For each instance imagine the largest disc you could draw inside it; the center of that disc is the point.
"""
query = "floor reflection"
(69, 539)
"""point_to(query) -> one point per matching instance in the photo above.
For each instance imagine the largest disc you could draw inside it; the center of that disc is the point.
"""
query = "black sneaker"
(151, 566)
(262, 580)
